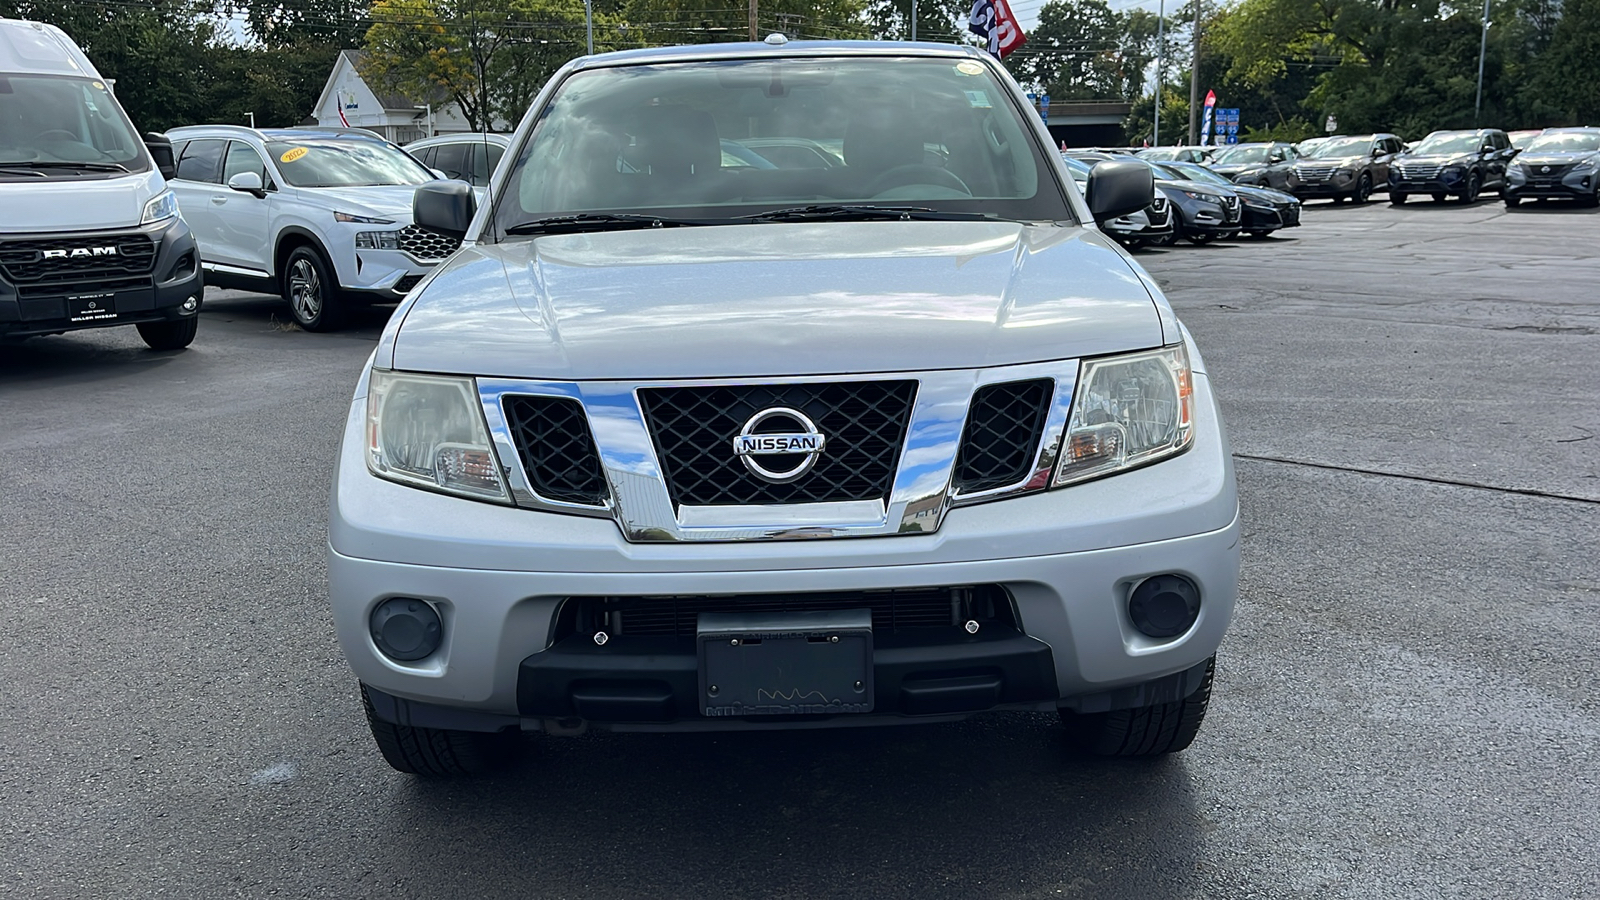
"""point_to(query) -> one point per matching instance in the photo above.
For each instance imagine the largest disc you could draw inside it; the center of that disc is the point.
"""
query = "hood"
(388, 201)
(1555, 159)
(1438, 159)
(1354, 159)
(1197, 187)
(1265, 195)
(77, 204)
(777, 299)
(1231, 169)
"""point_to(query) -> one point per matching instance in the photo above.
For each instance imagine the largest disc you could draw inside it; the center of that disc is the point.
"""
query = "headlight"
(1128, 411)
(1454, 170)
(161, 207)
(1345, 172)
(1587, 166)
(377, 240)
(360, 220)
(1517, 173)
(428, 431)
(1203, 198)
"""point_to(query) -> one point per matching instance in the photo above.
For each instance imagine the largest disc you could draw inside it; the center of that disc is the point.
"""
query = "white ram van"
(91, 237)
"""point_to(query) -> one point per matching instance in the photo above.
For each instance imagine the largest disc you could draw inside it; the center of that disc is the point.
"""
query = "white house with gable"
(347, 100)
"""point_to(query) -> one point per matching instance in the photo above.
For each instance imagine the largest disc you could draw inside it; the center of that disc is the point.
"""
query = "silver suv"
(322, 217)
(679, 443)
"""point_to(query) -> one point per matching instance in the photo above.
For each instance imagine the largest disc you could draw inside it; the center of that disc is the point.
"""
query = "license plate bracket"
(786, 663)
(98, 307)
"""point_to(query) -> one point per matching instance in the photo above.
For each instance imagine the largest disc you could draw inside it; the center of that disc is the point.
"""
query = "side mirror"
(248, 183)
(160, 148)
(444, 207)
(1117, 188)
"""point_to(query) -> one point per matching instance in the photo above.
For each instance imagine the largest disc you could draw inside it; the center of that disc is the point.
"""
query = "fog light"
(1164, 606)
(191, 304)
(405, 629)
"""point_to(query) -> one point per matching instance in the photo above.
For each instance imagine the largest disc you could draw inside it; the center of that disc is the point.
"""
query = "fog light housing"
(190, 304)
(1164, 606)
(405, 629)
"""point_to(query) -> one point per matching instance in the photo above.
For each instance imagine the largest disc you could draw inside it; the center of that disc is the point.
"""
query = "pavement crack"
(1428, 479)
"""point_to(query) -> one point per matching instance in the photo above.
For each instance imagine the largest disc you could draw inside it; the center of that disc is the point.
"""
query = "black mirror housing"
(1117, 188)
(160, 149)
(444, 207)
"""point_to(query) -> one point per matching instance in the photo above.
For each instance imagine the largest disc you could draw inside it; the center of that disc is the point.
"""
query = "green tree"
(1564, 77)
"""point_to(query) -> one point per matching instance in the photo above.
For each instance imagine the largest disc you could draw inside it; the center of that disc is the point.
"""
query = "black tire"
(1144, 731)
(1438, 197)
(436, 752)
(1338, 198)
(1474, 184)
(1397, 199)
(311, 291)
(1258, 235)
(1591, 201)
(173, 335)
(1363, 189)
(1511, 202)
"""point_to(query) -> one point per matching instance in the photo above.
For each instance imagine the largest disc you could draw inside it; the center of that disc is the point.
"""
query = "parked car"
(1562, 163)
(321, 217)
(1452, 163)
(1264, 164)
(90, 234)
(1345, 167)
(1177, 154)
(468, 156)
(665, 448)
(1201, 212)
(1265, 210)
(1305, 147)
(1151, 225)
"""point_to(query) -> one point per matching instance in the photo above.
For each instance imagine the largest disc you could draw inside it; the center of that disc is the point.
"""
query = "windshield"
(1351, 146)
(741, 137)
(50, 120)
(1240, 156)
(1568, 142)
(346, 163)
(1191, 172)
(1448, 143)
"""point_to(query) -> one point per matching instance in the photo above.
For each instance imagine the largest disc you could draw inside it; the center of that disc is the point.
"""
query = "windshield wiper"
(12, 169)
(90, 166)
(867, 212)
(600, 222)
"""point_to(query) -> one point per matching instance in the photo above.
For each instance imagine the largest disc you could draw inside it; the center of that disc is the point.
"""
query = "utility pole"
(1483, 46)
(913, 19)
(588, 20)
(752, 20)
(1161, 59)
(1194, 82)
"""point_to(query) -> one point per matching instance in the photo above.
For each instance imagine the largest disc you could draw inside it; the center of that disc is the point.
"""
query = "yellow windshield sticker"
(969, 68)
(293, 154)
(98, 85)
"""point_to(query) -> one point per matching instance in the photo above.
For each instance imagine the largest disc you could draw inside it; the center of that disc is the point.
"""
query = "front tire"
(1397, 199)
(1511, 202)
(1143, 731)
(1474, 184)
(1438, 196)
(1363, 189)
(311, 291)
(174, 335)
(436, 752)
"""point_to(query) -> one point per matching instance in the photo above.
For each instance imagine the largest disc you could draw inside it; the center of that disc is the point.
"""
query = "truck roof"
(39, 48)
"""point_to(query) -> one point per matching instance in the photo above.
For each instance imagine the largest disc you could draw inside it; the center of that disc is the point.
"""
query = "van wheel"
(311, 292)
(1142, 731)
(174, 335)
(437, 752)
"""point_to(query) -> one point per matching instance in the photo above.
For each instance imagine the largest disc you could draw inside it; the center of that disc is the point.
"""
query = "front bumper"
(499, 576)
(1443, 183)
(36, 308)
(1334, 186)
(1568, 185)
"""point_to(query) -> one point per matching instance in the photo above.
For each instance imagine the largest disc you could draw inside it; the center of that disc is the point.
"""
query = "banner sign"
(1205, 125)
(993, 20)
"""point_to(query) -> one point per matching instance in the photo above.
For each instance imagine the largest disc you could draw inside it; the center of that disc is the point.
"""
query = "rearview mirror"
(248, 183)
(1117, 188)
(444, 207)
(160, 149)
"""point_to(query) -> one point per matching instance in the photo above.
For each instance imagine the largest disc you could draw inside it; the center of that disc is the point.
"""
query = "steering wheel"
(59, 134)
(916, 173)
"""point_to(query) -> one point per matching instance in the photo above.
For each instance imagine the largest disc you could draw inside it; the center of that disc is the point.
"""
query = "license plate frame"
(785, 663)
(97, 307)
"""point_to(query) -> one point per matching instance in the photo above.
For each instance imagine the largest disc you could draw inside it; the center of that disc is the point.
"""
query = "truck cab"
(91, 236)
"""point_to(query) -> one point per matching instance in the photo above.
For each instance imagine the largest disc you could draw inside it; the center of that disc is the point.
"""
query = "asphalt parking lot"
(1405, 706)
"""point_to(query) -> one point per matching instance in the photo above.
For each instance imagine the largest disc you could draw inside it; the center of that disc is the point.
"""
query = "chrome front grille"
(556, 449)
(1314, 171)
(1418, 171)
(425, 245)
(1158, 211)
(1002, 434)
(693, 428)
(1230, 208)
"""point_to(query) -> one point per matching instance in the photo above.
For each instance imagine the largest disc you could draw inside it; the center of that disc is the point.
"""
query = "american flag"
(994, 20)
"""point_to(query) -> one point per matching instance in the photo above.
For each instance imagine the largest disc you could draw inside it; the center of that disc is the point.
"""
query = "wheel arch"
(292, 237)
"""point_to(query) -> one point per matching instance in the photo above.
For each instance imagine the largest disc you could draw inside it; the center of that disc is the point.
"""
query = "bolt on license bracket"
(785, 663)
